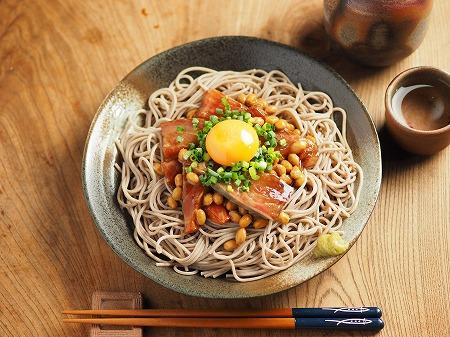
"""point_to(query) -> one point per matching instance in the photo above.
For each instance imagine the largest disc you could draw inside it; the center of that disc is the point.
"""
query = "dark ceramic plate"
(100, 180)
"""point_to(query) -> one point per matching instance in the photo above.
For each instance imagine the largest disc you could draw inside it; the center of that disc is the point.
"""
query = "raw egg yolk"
(231, 141)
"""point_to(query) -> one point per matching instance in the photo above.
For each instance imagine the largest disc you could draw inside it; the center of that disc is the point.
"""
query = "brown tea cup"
(417, 105)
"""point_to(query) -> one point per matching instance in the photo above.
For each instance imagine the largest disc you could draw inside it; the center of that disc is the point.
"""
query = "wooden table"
(58, 60)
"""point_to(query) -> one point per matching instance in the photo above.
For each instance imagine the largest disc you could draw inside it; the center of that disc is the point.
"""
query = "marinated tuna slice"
(212, 100)
(192, 201)
(176, 135)
(217, 214)
(308, 155)
(267, 196)
(290, 138)
(171, 168)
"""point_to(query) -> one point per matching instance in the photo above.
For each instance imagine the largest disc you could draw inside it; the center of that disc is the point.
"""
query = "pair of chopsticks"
(360, 318)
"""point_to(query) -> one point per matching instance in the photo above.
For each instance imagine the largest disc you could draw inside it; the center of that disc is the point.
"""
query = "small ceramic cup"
(423, 142)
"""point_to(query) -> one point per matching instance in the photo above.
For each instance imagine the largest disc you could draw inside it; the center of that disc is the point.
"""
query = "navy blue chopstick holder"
(342, 312)
(339, 323)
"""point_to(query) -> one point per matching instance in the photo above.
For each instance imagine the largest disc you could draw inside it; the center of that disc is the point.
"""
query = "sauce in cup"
(422, 106)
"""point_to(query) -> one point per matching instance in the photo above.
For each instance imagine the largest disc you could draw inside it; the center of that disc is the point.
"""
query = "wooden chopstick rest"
(116, 300)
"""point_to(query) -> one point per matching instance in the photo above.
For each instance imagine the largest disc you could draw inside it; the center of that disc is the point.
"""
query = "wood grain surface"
(59, 59)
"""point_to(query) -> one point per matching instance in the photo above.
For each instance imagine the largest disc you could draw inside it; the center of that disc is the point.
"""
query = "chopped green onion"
(186, 155)
(226, 104)
(179, 139)
(213, 173)
(195, 122)
(252, 172)
(180, 129)
(214, 119)
(236, 167)
(262, 165)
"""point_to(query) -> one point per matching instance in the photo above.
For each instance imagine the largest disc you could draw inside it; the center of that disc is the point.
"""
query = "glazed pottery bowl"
(100, 180)
(377, 32)
(423, 142)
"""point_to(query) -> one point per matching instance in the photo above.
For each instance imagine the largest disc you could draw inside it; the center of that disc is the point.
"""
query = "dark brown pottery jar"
(377, 32)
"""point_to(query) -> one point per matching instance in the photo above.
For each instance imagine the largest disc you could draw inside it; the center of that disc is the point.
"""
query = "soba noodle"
(329, 195)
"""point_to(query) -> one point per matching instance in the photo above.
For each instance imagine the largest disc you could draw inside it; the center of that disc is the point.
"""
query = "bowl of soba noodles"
(231, 167)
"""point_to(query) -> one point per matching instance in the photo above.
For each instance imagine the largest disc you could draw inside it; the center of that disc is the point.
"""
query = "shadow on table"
(314, 41)
(393, 156)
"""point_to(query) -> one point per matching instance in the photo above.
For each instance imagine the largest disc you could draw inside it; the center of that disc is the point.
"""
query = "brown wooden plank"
(58, 60)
